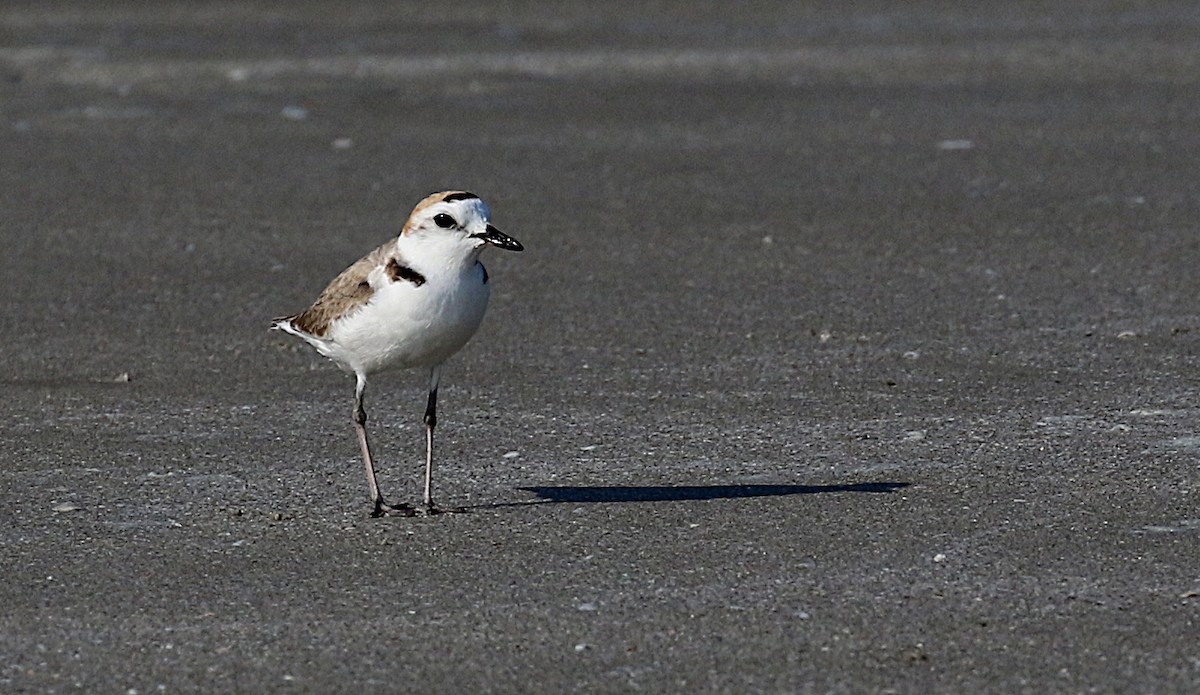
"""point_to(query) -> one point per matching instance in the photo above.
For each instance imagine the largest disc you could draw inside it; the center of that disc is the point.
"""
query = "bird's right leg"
(360, 426)
(430, 422)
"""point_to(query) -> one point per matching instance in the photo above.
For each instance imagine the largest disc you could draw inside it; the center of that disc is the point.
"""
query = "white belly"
(404, 325)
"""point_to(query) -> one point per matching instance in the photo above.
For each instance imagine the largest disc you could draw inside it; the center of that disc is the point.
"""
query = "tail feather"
(284, 323)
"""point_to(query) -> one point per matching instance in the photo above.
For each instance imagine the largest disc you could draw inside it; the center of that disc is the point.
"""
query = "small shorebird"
(412, 302)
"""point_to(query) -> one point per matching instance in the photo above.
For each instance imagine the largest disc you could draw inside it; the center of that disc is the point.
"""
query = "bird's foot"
(431, 509)
(384, 509)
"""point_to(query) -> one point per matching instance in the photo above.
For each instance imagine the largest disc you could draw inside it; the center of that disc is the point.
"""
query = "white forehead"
(467, 209)
(458, 205)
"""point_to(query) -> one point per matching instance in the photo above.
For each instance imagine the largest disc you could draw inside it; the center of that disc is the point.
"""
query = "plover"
(412, 302)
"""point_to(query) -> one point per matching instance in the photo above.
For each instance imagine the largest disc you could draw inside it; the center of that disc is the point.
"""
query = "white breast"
(407, 325)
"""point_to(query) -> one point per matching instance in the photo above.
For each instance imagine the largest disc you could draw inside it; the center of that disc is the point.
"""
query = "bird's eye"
(444, 221)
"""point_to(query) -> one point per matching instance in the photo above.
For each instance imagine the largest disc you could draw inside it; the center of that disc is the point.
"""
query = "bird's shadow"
(681, 493)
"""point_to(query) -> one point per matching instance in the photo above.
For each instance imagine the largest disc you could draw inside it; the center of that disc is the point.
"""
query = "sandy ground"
(853, 350)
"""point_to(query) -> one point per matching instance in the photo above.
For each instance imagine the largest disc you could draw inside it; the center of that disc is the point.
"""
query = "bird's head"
(457, 222)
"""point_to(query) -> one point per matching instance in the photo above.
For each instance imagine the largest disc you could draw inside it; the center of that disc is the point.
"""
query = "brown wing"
(344, 295)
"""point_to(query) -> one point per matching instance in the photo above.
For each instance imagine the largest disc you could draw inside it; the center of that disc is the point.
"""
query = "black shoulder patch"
(398, 272)
(484, 269)
(459, 196)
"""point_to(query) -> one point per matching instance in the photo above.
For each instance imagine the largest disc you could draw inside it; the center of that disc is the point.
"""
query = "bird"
(409, 304)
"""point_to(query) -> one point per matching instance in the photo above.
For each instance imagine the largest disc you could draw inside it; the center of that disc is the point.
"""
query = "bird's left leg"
(381, 507)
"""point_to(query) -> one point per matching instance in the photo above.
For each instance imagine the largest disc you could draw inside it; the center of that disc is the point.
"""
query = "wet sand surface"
(852, 350)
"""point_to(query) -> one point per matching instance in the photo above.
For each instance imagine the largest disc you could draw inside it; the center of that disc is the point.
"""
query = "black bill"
(499, 239)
